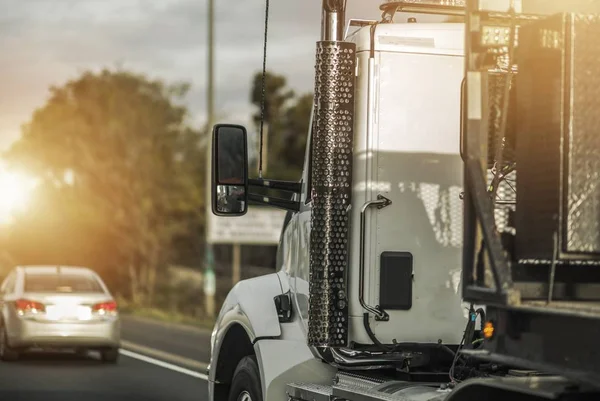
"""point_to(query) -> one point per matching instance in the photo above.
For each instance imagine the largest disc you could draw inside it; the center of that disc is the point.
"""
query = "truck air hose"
(371, 335)
(398, 347)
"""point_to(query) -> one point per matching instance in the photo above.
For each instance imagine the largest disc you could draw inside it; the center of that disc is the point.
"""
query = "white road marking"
(162, 364)
(164, 356)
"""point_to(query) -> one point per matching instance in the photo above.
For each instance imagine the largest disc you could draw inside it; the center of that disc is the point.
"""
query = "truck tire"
(245, 385)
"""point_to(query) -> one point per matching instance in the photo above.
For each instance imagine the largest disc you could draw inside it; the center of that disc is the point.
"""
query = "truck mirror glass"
(231, 199)
(229, 170)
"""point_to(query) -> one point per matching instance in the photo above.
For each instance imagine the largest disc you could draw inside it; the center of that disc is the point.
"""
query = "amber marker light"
(488, 330)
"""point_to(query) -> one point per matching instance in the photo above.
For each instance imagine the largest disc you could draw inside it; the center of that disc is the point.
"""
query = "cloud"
(46, 43)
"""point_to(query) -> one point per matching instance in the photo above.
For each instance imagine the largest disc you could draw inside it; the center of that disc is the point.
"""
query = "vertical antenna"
(263, 95)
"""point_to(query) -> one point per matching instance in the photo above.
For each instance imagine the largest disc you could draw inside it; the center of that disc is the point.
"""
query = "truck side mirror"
(229, 170)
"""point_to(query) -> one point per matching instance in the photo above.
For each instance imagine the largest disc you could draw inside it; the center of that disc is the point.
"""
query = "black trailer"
(531, 147)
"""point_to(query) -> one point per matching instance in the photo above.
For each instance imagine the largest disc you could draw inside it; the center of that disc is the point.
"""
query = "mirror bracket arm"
(279, 203)
(287, 186)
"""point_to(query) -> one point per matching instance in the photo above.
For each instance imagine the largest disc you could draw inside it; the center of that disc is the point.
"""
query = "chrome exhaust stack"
(333, 20)
(331, 192)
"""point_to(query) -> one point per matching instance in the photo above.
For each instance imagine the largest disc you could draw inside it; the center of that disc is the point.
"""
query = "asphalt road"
(178, 340)
(157, 362)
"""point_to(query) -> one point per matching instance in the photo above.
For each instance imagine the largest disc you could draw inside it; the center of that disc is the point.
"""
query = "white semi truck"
(413, 264)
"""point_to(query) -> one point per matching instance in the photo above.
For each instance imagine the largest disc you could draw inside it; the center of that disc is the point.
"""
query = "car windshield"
(64, 283)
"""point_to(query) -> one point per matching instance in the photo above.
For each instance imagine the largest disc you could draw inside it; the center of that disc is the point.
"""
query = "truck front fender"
(248, 314)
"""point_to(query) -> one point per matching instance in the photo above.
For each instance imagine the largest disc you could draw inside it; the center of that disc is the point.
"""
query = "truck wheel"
(7, 353)
(246, 381)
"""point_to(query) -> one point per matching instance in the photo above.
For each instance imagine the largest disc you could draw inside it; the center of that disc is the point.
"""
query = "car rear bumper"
(31, 333)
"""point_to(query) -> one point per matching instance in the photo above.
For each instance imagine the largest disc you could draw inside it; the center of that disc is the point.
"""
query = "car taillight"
(25, 305)
(105, 307)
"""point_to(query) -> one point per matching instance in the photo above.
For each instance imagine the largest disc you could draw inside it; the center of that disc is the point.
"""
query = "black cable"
(453, 366)
(264, 78)
(470, 330)
(481, 314)
(465, 339)
(371, 335)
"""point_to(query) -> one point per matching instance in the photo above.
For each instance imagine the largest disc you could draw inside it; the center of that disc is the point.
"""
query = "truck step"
(359, 392)
(309, 392)
(353, 387)
(356, 379)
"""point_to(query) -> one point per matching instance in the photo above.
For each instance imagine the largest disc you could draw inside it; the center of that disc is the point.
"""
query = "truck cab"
(397, 264)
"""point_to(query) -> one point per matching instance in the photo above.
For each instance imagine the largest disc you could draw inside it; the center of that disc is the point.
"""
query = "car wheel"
(81, 352)
(246, 381)
(110, 355)
(7, 353)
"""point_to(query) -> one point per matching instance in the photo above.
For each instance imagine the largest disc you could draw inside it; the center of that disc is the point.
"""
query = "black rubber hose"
(399, 346)
(372, 335)
(481, 314)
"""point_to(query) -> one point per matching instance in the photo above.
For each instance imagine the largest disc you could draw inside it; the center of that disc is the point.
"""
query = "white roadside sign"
(259, 226)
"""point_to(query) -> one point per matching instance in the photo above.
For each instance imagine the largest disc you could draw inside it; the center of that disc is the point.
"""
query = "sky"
(48, 42)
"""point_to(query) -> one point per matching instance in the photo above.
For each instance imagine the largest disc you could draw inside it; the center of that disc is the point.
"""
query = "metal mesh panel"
(557, 153)
(331, 193)
(583, 208)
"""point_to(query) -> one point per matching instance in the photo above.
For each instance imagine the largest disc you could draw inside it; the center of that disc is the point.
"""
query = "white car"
(56, 307)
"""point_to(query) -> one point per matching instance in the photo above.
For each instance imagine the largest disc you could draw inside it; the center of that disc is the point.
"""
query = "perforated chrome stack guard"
(332, 146)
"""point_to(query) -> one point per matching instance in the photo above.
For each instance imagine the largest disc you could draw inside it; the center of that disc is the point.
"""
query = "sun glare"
(15, 192)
